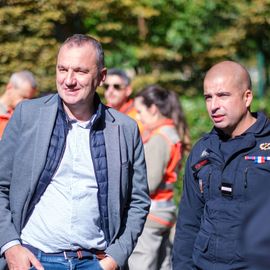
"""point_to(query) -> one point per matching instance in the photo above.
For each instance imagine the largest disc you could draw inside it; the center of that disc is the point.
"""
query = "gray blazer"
(23, 150)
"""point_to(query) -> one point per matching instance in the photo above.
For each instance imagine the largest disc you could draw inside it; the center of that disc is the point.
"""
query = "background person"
(73, 186)
(22, 85)
(225, 173)
(118, 92)
(163, 118)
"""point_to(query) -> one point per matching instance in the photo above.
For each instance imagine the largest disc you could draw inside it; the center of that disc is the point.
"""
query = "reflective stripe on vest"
(160, 220)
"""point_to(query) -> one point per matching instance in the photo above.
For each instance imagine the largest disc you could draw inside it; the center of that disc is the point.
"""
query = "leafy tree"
(171, 42)
(247, 35)
(31, 31)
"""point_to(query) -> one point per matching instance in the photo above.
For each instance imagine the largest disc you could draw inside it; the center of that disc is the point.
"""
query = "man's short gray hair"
(120, 73)
(24, 75)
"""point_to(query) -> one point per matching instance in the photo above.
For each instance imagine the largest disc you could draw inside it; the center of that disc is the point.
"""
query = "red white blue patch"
(258, 159)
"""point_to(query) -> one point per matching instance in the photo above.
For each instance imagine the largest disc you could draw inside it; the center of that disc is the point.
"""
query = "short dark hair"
(80, 39)
(169, 106)
(121, 73)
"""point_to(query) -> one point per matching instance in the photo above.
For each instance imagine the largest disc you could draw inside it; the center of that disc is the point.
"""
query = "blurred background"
(169, 42)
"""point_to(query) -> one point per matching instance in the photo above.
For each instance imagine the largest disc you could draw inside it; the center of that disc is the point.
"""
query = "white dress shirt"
(67, 216)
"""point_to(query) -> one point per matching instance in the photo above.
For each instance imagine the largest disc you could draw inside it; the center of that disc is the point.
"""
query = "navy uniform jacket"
(222, 180)
(256, 234)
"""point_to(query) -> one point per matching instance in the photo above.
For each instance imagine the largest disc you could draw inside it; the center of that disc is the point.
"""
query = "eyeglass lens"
(115, 86)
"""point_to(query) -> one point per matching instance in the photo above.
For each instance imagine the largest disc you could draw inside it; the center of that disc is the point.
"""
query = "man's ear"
(153, 109)
(9, 86)
(248, 97)
(102, 76)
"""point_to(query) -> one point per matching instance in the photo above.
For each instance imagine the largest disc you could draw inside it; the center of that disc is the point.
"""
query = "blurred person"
(163, 120)
(118, 92)
(225, 172)
(73, 186)
(22, 85)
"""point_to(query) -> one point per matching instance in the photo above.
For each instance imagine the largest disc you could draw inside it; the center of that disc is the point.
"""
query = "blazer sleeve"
(188, 222)
(136, 208)
(8, 146)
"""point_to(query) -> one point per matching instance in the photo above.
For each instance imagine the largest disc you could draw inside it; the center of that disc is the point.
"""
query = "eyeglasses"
(117, 87)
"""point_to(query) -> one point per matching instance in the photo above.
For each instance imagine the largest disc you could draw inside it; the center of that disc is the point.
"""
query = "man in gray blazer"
(73, 185)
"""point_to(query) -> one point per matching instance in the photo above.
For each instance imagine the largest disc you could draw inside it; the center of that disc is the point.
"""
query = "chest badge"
(258, 159)
(265, 146)
(196, 167)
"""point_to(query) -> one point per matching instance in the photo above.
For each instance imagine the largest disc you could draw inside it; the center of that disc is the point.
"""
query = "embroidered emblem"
(205, 153)
(258, 159)
(265, 146)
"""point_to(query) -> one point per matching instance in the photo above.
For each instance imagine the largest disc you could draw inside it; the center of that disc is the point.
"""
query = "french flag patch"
(258, 159)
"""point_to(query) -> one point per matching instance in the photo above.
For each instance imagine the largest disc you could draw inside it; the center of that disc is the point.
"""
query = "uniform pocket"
(201, 250)
(202, 241)
(226, 250)
(256, 179)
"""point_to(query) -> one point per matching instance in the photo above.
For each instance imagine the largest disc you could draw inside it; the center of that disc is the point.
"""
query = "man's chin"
(220, 125)
(115, 105)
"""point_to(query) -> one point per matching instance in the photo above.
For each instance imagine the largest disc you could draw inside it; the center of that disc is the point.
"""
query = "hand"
(108, 263)
(20, 258)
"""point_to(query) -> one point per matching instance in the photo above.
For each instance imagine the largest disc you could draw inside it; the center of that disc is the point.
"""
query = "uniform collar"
(245, 141)
(258, 128)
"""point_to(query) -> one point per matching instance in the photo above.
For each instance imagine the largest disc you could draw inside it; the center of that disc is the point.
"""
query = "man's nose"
(70, 78)
(214, 104)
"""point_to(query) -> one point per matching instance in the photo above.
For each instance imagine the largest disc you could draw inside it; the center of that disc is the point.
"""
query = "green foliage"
(30, 34)
(199, 124)
(171, 42)
(197, 117)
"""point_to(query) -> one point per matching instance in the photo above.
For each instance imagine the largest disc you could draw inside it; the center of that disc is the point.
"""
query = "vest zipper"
(245, 177)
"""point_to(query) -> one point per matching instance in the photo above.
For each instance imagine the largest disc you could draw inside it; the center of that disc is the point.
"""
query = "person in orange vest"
(118, 92)
(164, 126)
(22, 85)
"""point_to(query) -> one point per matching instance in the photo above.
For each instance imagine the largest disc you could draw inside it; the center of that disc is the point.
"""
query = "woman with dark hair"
(165, 136)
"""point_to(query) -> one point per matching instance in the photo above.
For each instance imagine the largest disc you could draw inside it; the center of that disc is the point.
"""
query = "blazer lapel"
(111, 134)
(46, 118)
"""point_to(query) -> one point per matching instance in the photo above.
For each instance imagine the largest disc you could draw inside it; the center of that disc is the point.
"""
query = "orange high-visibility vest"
(4, 118)
(129, 109)
(165, 190)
